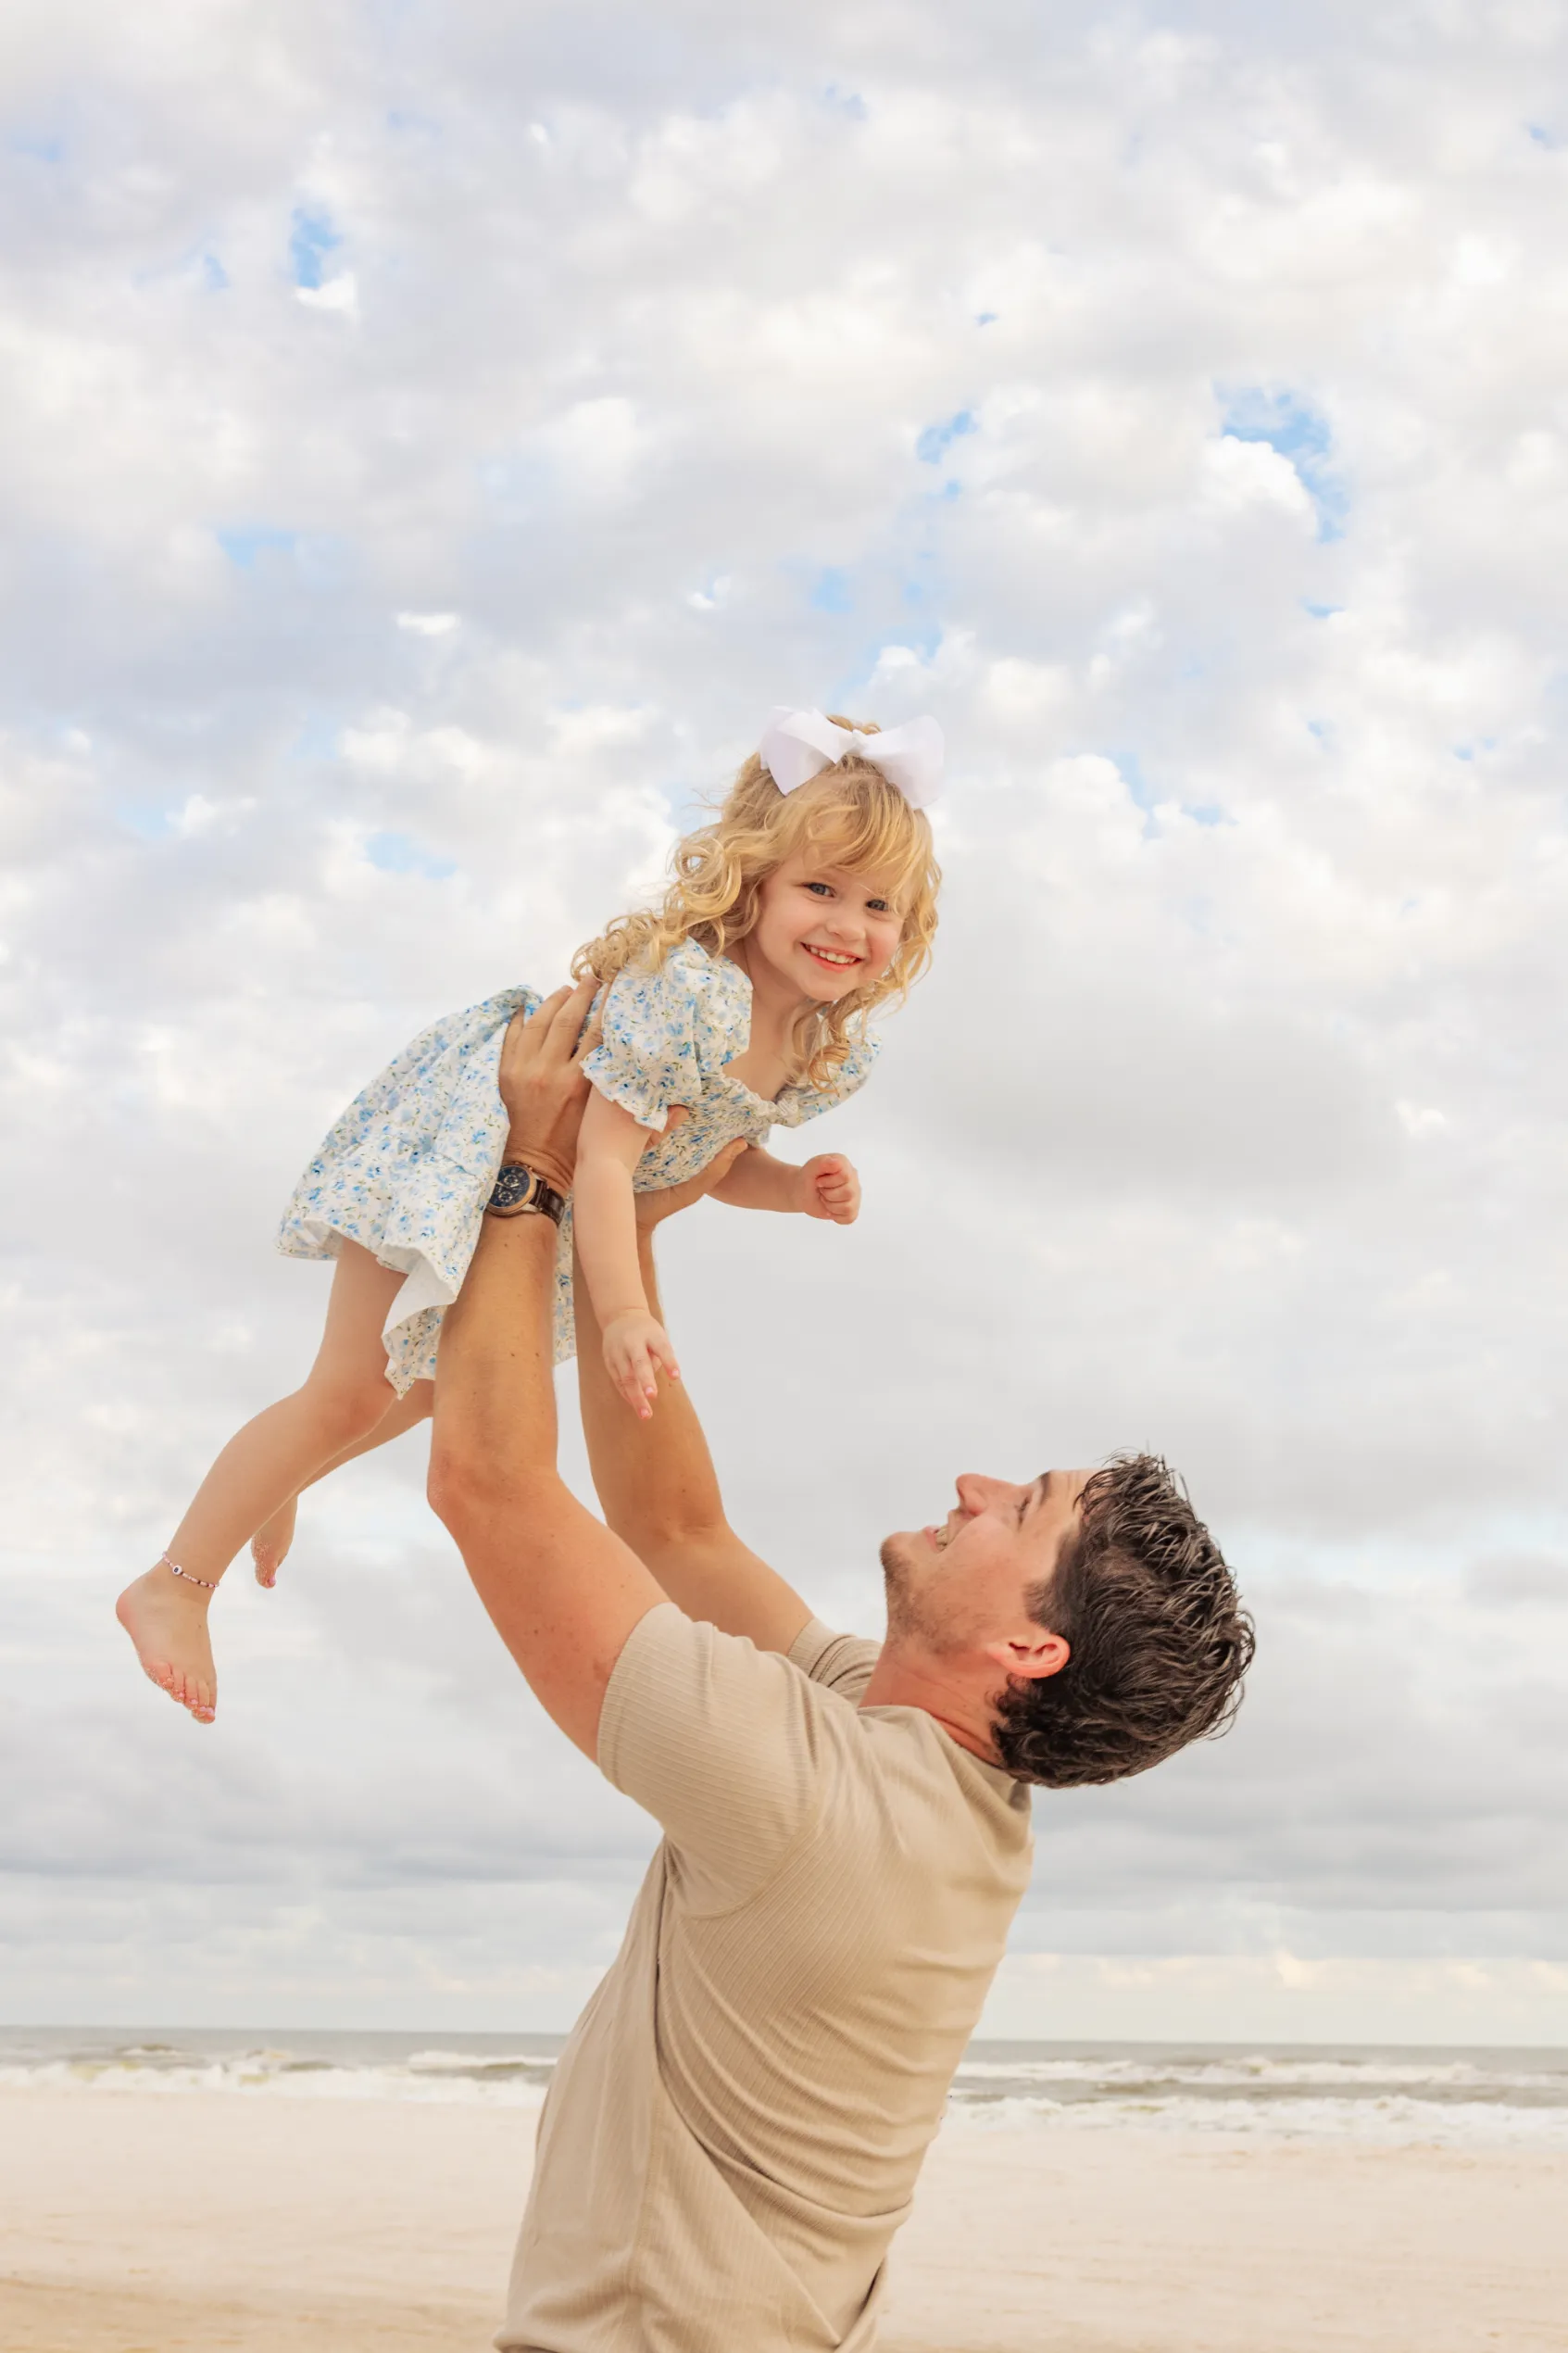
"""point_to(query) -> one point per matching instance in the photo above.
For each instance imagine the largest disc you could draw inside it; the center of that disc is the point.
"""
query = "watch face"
(512, 1185)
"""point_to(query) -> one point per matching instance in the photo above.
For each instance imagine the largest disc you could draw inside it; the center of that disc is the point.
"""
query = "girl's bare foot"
(270, 1545)
(166, 1617)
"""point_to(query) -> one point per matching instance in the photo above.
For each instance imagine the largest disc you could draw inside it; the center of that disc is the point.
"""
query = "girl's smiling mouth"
(837, 959)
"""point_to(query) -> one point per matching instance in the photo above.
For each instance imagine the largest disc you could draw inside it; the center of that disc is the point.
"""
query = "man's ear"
(1031, 1657)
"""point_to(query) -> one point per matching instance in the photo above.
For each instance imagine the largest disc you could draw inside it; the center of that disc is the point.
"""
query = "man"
(733, 2131)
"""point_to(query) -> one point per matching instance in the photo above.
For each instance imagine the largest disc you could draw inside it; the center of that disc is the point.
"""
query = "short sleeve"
(647, 1059)
(802, 1102)
(729, 1747)
(840, 1663)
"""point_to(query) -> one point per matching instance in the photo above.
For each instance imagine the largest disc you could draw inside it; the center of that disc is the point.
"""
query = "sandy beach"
(136, 2222)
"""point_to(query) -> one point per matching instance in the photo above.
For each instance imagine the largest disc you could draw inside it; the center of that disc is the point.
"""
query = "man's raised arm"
(562, 1592)
(657, 1483)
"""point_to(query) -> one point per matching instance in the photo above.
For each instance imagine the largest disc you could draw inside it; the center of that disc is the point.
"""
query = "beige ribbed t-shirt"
(735, 2128)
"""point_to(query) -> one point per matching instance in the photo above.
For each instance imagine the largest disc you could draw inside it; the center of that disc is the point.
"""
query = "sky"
(430, 441)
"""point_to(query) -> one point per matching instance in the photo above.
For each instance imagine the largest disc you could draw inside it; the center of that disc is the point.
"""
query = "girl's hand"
(635, 1342)
(830, 1187)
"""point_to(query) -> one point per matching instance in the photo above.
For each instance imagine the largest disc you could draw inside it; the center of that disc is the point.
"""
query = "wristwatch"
(520, 1192)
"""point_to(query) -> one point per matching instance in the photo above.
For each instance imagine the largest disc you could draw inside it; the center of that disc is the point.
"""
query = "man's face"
(962, 1585)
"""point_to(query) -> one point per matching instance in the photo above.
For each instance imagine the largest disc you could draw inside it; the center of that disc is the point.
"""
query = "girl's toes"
(270, 1545)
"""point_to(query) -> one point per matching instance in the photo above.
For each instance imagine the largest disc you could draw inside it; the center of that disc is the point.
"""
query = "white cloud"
(428, 625)
(1239, 475)
(1276, 1998)
(340, 293)
(351, 677)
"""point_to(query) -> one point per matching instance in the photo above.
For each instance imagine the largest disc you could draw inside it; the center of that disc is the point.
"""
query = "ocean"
(1368, 2093)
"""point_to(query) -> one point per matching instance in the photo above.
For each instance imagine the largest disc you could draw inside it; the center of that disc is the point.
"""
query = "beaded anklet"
(163, 1561)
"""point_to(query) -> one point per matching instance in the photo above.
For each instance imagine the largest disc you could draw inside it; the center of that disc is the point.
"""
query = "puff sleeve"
(648, 1058)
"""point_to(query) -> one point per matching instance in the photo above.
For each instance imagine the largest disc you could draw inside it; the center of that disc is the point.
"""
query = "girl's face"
(822, 931)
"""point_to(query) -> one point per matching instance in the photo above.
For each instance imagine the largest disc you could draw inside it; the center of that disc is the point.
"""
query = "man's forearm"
(561, 1591)
(495, 1397)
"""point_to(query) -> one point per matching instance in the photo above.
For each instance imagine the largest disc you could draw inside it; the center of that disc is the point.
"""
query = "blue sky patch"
(1288, 421)
(847, 102)
(311, 239)
(317, 739)
(244, 543)
(397, 854)
(935, 439)
(830, 593)
(44, 146)
(1129, 767)
(146, 824)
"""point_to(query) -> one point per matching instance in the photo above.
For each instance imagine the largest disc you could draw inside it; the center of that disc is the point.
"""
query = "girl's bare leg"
(270, 1545)
(345, 1394)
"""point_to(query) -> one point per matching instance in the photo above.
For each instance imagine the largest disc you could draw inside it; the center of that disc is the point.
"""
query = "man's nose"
(975, 1491)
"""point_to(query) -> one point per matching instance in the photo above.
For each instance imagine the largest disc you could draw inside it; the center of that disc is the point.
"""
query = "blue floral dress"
(408, 1169)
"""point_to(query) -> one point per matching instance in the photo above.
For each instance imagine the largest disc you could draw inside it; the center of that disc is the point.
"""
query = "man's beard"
(903, 1605)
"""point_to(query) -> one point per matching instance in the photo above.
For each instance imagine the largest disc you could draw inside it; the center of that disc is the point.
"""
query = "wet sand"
(139, 2223)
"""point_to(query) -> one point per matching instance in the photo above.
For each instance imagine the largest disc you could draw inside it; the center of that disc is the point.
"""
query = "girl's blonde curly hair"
(852, 817)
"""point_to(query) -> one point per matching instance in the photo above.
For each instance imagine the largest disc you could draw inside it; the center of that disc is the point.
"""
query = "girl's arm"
(659, 1493)
(827, 1186)
(605, 1215)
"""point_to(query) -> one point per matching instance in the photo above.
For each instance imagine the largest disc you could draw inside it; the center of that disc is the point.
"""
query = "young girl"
(737, 1005)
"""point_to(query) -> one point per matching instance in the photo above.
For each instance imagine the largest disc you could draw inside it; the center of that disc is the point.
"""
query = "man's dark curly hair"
(1156, 1636)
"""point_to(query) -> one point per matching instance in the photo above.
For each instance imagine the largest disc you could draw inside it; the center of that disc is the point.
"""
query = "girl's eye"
(879, 906)
(822, 886)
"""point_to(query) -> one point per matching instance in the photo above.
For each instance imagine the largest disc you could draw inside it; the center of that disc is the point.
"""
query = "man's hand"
(542, 1082)
(830, 1187)
(653, 1208)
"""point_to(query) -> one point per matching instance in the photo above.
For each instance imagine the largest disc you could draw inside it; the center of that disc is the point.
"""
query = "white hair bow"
(797, 745)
